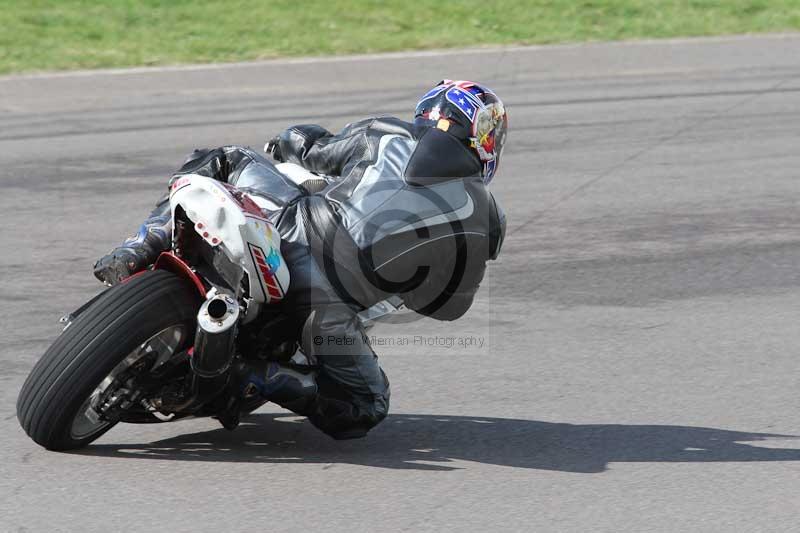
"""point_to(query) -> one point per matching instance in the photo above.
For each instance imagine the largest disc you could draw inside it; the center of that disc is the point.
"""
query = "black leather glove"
(119, 264)
(273, 148)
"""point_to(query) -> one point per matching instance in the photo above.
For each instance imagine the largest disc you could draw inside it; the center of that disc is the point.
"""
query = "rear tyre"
(153, 308)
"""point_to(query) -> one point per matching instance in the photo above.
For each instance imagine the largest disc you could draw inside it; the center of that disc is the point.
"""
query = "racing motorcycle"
(174, 340)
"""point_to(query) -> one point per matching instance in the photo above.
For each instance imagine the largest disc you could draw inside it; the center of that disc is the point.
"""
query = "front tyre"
(151, 316)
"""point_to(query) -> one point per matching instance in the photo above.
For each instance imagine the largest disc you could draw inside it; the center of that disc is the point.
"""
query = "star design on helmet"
(462, 100)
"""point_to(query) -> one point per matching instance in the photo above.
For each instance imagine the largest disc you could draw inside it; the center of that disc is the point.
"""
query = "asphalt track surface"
(640, 364)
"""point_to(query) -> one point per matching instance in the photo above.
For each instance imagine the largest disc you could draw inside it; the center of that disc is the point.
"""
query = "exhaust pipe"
(212, 355)
(216, 332)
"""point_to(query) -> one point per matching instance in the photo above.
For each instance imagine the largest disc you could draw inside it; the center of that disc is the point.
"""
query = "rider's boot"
(253, 382)
(139, 251)
(280, 384)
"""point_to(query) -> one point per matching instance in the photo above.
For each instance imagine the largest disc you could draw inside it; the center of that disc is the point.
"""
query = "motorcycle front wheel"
(132, 327)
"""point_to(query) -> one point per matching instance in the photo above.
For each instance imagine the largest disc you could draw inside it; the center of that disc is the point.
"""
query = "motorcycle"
(173, 341)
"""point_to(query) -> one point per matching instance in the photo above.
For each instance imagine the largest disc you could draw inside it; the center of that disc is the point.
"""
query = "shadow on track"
(429, 442)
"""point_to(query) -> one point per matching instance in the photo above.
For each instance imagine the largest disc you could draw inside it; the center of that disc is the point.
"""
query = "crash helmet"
(473, 113)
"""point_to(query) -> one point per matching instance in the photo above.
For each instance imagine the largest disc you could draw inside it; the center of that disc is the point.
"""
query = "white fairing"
(239, 229)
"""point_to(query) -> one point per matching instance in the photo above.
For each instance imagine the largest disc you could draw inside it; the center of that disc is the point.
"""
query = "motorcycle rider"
(400, 208)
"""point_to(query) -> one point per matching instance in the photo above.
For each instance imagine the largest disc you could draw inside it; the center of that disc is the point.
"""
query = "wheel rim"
(164, 343)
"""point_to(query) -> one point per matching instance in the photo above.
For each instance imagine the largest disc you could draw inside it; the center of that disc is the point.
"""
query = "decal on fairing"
(267, 266)
(244, 201)
(179, 183)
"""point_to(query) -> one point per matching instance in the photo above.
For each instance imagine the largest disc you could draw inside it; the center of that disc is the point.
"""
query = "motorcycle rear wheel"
(155, 310)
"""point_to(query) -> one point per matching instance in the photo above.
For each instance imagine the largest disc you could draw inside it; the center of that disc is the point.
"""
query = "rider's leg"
(352, 393)
(239, 166)
(139, 251)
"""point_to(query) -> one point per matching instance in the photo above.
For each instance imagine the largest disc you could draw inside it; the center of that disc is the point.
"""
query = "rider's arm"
(430, 299)
(445, 296)
(318, 150)
(220, 163)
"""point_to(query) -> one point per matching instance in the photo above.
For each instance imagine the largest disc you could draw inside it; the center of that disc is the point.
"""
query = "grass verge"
(69, 34)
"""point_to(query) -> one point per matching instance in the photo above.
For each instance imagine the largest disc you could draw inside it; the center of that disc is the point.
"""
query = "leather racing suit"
(403, 210)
